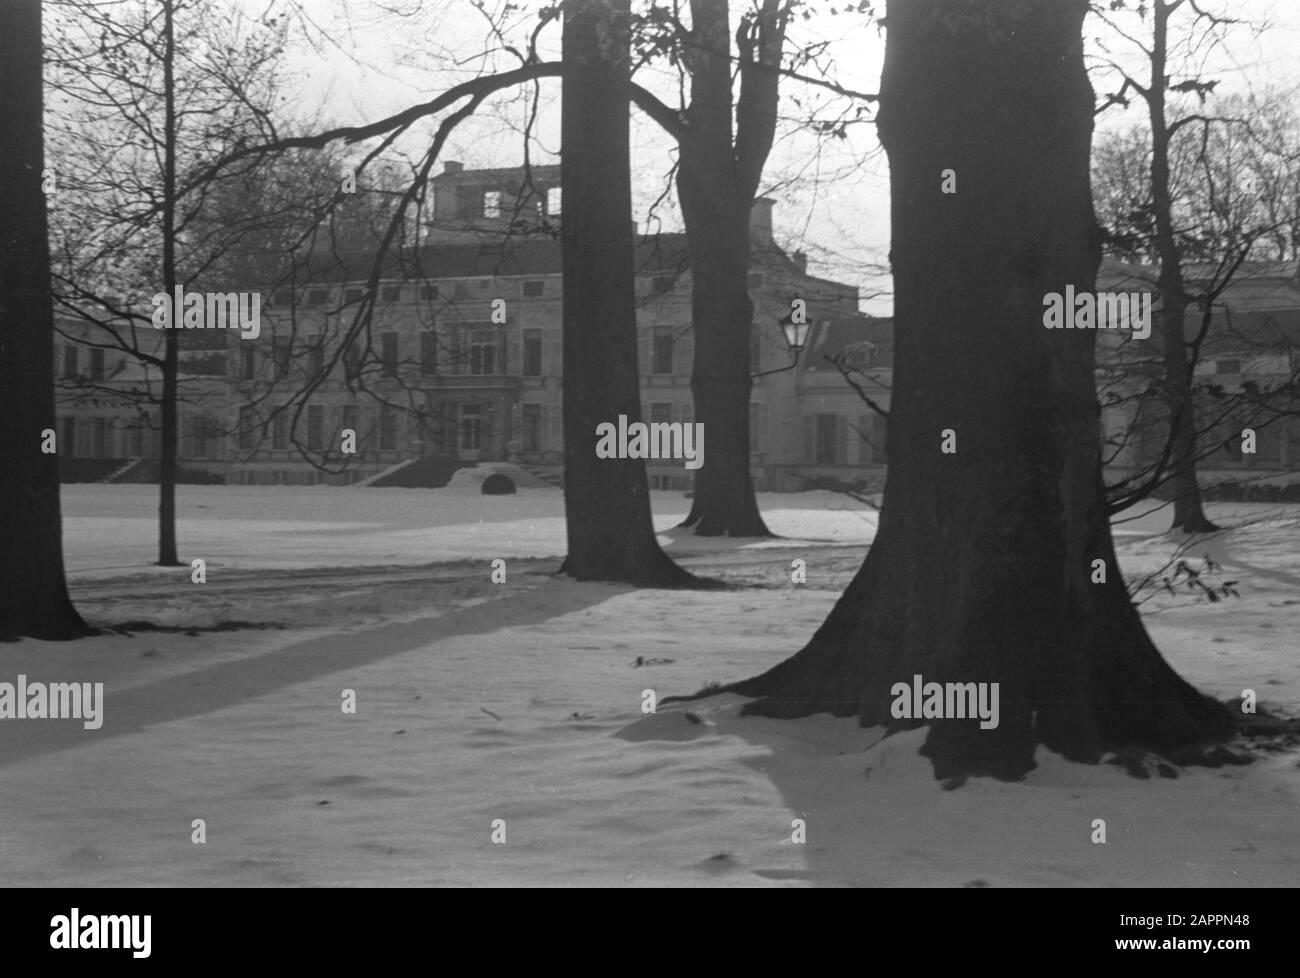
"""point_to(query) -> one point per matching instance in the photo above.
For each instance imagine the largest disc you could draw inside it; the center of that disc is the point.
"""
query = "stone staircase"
(120, 472)
(436, 473)
(386, 474)
(521, 476)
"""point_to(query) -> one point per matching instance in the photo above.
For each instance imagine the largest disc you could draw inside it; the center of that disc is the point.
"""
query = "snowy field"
(521, 702)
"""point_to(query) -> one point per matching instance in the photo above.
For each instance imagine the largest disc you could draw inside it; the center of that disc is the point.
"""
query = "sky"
(369, 60)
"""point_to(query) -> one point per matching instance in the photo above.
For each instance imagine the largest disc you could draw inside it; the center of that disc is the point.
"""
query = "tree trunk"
(1180, 405)
(717, 229)
(33, 593)
(982, 567)
(606, 501)
(1189, 514)
(716, 191)
(170, 437)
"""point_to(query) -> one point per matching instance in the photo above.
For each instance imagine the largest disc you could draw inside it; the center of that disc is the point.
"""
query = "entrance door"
(471, 431)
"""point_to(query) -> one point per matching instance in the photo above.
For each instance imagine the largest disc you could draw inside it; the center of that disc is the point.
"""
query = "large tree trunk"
(33, 594)
(982, 567)
(717, 228)
(606, 501)
(716, 188)
(1189, 514)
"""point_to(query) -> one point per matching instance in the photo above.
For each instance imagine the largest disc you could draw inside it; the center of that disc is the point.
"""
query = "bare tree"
(150, 94)
(1226, 205)
(1161, 91)
(984, 568)
(606, 500)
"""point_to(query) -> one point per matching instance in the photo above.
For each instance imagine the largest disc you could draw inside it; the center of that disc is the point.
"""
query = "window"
(247, 364)
(96, 364)
(317, 297)
(428, 291)
(316, 426)
(428, 352)
(388, 353)
(661, 361)
(69, 446)
(492, 204)
(1226, 365)
(280, 351)
(532, 428)
(201, 429)
(871, 439)
(101, 438)
(663, 283)
(281, 299)
(387, 428)
(246, 421)
(352, 418)
(534, 288)
(353, 295)
(69, 362)
(1268, 444)
(827, 442)
(471, 427)
(554, 201)
(392, 293)
(482, 352)
(532, 353)
(315, 356)
(352, 359)
(280, 428)
(858, 357)
(661, 412)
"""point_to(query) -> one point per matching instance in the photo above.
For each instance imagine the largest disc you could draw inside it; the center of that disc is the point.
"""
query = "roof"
(839, 334)
(509, 173)
(518, 256)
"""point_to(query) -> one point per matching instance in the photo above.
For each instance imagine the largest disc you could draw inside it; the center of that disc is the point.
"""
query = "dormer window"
(859, 356)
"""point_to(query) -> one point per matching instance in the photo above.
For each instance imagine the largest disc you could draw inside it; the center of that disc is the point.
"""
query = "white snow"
(522, 702)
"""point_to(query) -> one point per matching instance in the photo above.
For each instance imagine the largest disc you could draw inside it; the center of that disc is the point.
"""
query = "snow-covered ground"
(521, 702)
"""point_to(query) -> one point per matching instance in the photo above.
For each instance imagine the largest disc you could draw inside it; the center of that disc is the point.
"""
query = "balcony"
(472, 382)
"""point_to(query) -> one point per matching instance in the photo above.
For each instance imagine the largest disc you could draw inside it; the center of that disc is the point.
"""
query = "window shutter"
(841, 439)
(810, 438)
(864, 436)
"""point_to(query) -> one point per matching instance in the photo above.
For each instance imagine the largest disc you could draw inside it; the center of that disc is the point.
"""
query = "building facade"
(459, 361)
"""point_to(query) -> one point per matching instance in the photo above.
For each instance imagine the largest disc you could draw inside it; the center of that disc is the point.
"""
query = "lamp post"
(796, 335)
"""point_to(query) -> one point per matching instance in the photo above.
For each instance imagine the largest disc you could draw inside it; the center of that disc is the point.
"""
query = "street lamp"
(796, 335)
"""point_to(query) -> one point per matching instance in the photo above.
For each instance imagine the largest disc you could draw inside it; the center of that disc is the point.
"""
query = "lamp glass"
(796, 334)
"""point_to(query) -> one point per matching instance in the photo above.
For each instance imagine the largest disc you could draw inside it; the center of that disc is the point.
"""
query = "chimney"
(760, 220)
(800, 262)
(452, 166)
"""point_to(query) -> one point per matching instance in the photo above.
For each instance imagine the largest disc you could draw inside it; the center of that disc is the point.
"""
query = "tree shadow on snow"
(229, 683)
